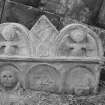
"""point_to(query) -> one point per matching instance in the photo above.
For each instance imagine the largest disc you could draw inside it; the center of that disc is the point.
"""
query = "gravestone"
(101, 16)
(57, 64)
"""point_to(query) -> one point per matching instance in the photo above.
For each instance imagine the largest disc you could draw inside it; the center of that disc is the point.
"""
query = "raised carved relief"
(10, 85)
(44, 34)
(77, 40)
(43, 77)
(80, 80)
(14, 40)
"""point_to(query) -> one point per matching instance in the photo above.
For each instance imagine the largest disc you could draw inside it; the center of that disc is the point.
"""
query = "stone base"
(44, 98)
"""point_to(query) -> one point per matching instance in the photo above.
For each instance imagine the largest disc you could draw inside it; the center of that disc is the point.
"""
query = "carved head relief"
(8, 77)
(77, 40)
(13, 40)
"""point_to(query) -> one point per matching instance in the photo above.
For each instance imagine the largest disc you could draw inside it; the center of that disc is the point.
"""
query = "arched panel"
(78, 40)
(80, 80)
(43, 77)
(14, 40)
(9, 77)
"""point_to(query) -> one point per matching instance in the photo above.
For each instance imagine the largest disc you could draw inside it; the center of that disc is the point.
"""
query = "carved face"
(8, 79)
(78, 35)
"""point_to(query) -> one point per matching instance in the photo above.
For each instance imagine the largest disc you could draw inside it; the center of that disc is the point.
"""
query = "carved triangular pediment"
(44, 34)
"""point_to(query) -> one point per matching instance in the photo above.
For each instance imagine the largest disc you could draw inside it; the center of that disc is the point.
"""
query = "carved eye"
(3, 46)
(10, 76)
(4, 76)
(71, 48)
(84, 49)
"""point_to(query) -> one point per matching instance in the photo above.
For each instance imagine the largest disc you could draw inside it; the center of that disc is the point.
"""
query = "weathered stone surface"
(77, 40)
(34, 3)
(14, 40)
(44, 34)
(101, 16)
(99, 31)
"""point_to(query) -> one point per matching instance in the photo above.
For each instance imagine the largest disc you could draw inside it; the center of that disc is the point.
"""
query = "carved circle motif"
(14, 40)
(80, 80)
(78, 35)
(9, 77)
(43, 77)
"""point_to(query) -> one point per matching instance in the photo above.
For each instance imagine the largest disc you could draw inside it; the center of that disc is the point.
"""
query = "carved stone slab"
(14, 40)
(43, 77)
(44, 34)
(19, 84)
(65, 63)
